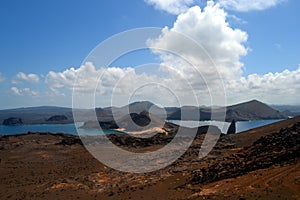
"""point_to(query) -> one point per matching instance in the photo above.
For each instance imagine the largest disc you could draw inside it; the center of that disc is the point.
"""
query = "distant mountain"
(37, 115)
(136, 107)
(185, 113)
(288, 110)
(57, 118)
(252, 110)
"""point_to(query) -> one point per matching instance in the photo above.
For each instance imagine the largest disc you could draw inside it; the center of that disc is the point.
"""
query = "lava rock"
(57, 118)
(70, 141)
(12, 121)
(232, 128)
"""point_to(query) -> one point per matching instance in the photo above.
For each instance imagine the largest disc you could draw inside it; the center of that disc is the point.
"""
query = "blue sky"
(42, 36)
(54, 35)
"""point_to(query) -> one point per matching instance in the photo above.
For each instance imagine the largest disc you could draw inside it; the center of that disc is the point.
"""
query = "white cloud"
(32, 78)
(15, 91)
(209, 29)
(86, 78)
(225, 46)
(180, 6)
(2, 77)
(276, 88)
(171, 6)
(278, 46)
(237, 19)
(53, 93)
(111, 84)
(23, 92)
(280, 87)
(246, 5)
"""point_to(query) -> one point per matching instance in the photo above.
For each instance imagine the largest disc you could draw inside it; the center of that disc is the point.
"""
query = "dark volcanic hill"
(131, 122)
(37, 115)
(252, 110)
(139, 122)
(192, 113)
(57, 118)
(288, 110)
(136, 107)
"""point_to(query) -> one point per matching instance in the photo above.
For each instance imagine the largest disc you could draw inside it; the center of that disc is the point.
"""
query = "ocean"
(71, 129)
(223, 126)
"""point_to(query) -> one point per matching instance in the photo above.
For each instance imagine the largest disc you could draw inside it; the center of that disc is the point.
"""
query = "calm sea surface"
(52, 128)
(71, 129)
(223, 126)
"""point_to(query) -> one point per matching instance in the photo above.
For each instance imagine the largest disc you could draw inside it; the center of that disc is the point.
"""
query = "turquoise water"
(71, 129)
(52, 128)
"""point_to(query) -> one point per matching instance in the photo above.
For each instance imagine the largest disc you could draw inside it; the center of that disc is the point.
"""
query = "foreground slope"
(262, 163)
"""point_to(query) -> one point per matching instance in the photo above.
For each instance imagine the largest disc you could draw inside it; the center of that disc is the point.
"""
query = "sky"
(45, 45)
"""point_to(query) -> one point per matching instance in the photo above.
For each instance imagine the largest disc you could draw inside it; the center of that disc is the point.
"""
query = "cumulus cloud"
(121, 83)
(110, 85)
(32, 78)
(54, 93)
(86, 78)
(180, 6)
(221, 49)
(225, 46)
(246, 5)
(222, 46)
(2, 77)
(23, 92)
(171, 6)
(280, 87)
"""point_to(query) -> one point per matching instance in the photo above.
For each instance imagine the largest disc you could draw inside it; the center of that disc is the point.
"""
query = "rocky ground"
(261, 163)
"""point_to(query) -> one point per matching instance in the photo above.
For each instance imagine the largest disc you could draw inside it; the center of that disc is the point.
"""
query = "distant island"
(251, 110)
(37, 115)
(247, 111)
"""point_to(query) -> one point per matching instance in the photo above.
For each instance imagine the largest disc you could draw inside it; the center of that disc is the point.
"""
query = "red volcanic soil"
(262, 163)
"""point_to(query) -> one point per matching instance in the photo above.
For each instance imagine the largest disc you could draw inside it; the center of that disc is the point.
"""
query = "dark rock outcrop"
(269, 150)
(131, 122)
(208, 129)
(57, 118)
(70, 141)
(232, 128)
(129, 141)
(159, 139)
(12, 121)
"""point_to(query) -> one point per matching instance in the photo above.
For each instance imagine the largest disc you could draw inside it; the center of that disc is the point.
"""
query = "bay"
(223, 126)
(71, 129)
(52, 128)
